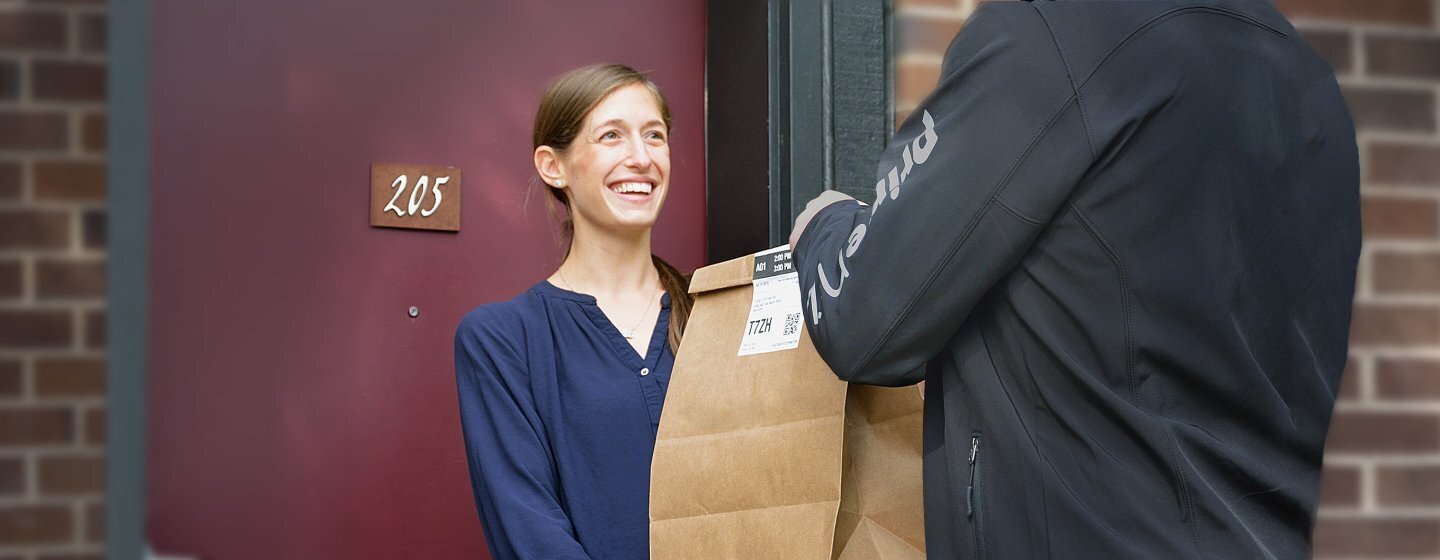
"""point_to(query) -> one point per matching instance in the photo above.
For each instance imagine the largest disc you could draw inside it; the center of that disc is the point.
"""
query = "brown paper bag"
(770, 456)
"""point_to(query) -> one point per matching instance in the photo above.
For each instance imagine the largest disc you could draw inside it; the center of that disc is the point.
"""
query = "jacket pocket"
(973, 498)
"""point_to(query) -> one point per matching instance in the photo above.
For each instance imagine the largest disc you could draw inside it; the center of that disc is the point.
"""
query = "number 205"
(417, 195)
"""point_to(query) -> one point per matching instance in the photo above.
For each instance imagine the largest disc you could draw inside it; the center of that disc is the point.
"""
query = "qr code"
(792, 323)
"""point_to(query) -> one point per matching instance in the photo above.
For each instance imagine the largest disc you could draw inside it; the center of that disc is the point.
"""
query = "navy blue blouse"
(560, 415)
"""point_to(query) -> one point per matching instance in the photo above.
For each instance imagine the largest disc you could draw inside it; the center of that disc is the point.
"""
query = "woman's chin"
(632, 217)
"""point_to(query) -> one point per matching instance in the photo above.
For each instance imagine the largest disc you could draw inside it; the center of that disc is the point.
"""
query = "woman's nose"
(639, 154)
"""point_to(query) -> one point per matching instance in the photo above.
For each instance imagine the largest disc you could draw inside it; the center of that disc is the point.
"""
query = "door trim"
(826, 113)
(127, 277)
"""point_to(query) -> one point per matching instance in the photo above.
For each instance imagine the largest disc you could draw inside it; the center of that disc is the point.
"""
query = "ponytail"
(678, 287)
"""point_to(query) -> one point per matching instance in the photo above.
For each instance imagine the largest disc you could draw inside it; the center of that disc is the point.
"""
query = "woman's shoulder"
(491, 339)
(502, 319)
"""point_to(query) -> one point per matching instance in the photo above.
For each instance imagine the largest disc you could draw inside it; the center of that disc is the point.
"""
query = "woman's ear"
(547, 165)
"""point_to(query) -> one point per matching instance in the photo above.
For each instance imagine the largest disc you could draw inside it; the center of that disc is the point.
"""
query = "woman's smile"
(634, 190)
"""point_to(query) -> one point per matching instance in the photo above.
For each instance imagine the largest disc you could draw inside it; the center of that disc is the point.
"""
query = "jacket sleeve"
(967, 184)
(510, 461)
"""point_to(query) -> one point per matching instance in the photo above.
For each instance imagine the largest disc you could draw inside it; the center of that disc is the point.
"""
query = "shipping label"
(775, 314)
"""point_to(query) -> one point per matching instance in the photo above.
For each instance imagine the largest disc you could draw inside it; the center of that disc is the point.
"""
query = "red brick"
(1333, 46)
(67, 81)
(29, 328)
(10, 178)
(1391, 109)
(72, 476)
(11, 384)
(95, 427)
(36, 524)
(12, 476)
(1403, 56)
(1403, 164)
(1340, 487)
(93, 34)
(12, 281)
(915, 80)
(1402, 12)
(32, 131)
(32, 31)
(1406, 273)
(9, 80)
(69, 377)
(1371, 432)
(1407, 379)
(93, 226)
(69, 279)
(92, 132)
(95, 522)
(1408, 486)
(1394, 325)
(95, 330)
(1376, 538)
(34, 229)
(1399, 218)
(70, 181)
(925, 35)
(36, 426)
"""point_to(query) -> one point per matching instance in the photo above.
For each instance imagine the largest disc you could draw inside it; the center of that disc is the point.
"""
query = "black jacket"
(1121, 236)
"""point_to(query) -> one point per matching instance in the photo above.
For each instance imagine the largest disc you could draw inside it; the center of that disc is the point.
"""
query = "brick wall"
(1382, 490)
(1381, 495)
(52, 279)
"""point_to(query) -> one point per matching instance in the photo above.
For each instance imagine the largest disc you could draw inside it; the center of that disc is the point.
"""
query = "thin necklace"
(629, 333)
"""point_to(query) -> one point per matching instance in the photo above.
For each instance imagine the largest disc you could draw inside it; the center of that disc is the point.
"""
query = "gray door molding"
(127, 277)
(825, 118)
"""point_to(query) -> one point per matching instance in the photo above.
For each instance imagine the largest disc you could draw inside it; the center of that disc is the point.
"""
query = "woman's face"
(617, 170)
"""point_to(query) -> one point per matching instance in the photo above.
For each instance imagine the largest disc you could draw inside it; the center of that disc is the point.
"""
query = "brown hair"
(562, 112)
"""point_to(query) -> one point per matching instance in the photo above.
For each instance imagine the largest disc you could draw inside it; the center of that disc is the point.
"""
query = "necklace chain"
(627, 333)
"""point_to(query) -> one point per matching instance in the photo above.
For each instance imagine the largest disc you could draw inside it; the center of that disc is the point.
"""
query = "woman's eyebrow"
(620, 123)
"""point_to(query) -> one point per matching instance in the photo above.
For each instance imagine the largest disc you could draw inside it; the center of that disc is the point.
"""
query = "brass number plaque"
(415, 196)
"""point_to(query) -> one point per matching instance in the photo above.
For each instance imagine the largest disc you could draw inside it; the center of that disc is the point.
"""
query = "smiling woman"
(561, 387)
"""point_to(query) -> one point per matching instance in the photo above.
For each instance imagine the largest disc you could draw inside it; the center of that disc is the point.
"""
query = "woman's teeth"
(627, 188)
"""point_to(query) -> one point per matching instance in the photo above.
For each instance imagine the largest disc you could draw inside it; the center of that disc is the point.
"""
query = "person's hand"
(811, 209)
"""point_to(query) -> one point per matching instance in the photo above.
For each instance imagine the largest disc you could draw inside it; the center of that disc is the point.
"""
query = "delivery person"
(1121, 237)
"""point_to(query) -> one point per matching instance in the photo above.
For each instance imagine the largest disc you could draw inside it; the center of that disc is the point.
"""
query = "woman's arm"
(510, 460)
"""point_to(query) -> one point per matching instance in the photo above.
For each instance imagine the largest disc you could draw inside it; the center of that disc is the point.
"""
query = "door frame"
(127, 276)
(821, 122)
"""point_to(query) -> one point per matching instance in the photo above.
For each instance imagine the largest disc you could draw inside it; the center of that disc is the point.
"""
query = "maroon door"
(296, 410)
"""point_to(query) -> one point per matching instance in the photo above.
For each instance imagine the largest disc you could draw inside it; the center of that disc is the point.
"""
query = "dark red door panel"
(296, 410)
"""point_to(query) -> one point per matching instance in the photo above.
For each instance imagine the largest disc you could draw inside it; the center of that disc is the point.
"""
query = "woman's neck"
(610, 266)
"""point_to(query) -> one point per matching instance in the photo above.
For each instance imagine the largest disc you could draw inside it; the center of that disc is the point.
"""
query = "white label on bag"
(775, 314)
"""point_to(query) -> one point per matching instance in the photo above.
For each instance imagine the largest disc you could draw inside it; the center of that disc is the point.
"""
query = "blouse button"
(644, 371)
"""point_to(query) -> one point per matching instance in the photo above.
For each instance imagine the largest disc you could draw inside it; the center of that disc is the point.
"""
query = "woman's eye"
(656, 136)
(611, 135)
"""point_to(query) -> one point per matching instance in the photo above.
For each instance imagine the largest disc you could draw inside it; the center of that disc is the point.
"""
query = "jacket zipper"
(972, 498)
(970, 486)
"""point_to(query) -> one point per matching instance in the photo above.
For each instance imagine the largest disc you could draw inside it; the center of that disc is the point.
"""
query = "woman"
(561, 387)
